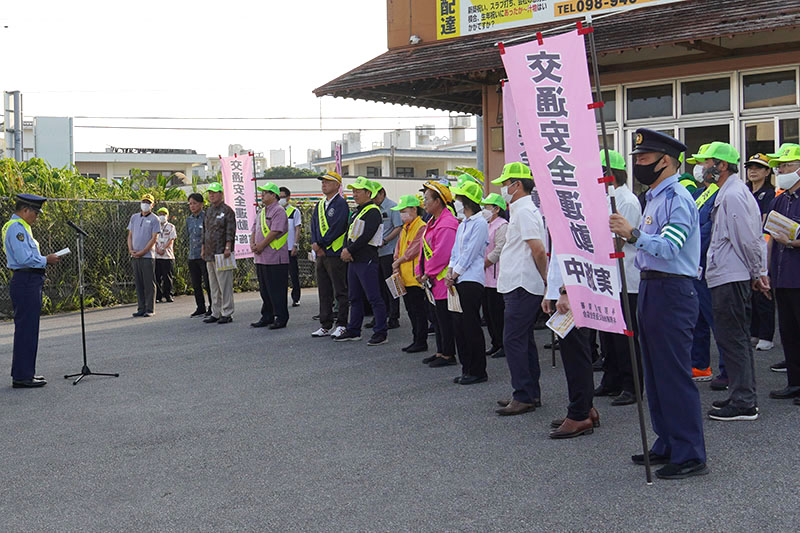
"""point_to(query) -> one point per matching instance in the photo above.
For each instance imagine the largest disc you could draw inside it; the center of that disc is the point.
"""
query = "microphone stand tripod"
(85, 370)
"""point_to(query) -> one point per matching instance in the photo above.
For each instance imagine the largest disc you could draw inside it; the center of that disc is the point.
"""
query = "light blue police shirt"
(21, 250)
(670, 231)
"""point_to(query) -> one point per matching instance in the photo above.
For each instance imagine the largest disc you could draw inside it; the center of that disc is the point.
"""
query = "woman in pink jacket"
(494, 208)
(437, 244)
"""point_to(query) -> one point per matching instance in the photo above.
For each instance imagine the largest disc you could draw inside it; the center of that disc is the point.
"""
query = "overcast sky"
(181, 58)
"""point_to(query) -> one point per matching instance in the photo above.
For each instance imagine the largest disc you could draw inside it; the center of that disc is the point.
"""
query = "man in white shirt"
(523, 268)
(295, 221)
(617, 369)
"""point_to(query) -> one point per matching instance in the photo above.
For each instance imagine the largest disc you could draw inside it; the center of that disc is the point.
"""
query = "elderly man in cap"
(363, 275)
(143, 230)
(328, 233)
(268, 241)
(219, 234)
(785, 269)
(24, 258)
(736, 265)
(668, 255)
(165, 256)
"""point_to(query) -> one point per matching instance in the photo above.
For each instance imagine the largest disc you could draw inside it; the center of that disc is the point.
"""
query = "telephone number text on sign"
(571, 7)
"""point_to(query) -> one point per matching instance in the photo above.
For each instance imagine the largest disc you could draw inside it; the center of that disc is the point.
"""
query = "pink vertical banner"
(551, 98)
(337, 155)
(240, 194)
(513, 145)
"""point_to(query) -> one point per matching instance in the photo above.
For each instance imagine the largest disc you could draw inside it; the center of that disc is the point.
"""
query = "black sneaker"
(348, 335)
(198, 312)
(719, 404)
(692, 467)
(731, 413)
(377, 339)
(778, 367)
(208, 313)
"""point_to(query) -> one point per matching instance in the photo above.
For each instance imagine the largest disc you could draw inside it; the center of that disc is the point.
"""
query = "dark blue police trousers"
(668, 311)
(26, 298)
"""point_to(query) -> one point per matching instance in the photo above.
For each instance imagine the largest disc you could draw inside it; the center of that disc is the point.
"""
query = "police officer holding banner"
(24, 258)
(668, 255)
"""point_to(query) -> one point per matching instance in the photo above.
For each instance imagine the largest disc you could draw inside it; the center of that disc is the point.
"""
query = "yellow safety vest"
(360, 214)
(323, 227)
(25, 225)
(410, 231)
(688, 183)
(278, 243)
(708, 193)
(290, 209)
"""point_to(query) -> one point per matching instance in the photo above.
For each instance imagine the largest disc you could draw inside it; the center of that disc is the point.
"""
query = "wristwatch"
(634, 236)
(562, 291)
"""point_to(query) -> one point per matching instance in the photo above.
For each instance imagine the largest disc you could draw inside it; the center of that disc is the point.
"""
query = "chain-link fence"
(107, 270)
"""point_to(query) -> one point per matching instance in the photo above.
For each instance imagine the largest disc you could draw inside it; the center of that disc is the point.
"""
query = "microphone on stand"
(77, 228)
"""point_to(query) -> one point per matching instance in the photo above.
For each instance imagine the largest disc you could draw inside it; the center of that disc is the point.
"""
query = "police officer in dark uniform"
(28, 264)
(668, 255)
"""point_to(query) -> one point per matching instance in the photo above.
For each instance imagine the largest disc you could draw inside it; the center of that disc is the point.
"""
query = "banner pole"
(618, 245)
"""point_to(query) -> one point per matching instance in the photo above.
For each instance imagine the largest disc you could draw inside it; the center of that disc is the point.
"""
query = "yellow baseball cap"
(148, 198)
(331, 176)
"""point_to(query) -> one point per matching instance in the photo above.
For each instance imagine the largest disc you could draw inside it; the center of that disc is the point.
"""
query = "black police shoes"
(785, 393)
(29, 383)
(690, 468)
(225, 320)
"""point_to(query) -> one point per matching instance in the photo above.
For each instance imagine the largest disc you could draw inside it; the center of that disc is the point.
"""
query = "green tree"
(287, 172)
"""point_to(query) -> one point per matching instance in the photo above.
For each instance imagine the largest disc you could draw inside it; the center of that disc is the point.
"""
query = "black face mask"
(647, 174)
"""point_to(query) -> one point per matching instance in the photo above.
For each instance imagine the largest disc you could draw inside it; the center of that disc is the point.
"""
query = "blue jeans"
(363, 283)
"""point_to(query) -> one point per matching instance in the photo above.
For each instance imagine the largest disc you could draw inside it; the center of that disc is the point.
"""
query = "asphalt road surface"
(229, 428)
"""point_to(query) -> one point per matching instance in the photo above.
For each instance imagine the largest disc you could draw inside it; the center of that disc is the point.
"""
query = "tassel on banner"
(582, 30)
(606, 179)
(627, 332)
(617, 255)
(502, 48)
(539, 38)
(595, 105)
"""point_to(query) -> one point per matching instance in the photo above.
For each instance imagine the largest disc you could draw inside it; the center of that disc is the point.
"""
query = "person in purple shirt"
(785, 271)
(268, 240)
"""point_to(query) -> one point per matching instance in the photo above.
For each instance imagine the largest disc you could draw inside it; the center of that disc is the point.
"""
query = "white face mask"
(406, 217)
(162, 218)
(504, 193)
(698, 173)
(459, 205)
(283, 202)
(787, 181)
(487, 213)
(145, 207)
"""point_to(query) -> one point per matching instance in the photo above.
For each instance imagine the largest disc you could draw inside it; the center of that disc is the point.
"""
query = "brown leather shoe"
(504, 403)
(593, 415)
(515, 408)
(573, 428)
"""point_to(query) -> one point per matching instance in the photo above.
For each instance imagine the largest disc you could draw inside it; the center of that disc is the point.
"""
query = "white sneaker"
(763, 345)
(338, 330)
(754, 341)
(321, 332)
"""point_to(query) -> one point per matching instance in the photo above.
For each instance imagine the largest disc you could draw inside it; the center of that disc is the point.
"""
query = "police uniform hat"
(32, 201)
(648, 140)
(759, 160)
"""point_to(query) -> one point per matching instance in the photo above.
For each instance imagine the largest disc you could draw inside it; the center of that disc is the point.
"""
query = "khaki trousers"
(221, 285)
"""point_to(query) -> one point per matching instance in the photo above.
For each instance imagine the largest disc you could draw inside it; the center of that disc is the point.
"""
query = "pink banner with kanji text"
(551, 97)
(240, 194)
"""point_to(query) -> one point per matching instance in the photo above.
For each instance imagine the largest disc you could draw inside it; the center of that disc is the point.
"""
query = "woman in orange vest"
(406, 259)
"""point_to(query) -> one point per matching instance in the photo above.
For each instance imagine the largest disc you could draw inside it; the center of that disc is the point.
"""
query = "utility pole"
(290, 155)
(13, 126)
